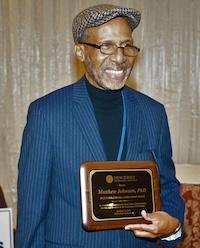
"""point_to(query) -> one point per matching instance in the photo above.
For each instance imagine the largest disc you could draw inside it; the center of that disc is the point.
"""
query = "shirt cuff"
(177, 234)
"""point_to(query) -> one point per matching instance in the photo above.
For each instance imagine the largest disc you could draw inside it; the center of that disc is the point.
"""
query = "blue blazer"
(61, 132)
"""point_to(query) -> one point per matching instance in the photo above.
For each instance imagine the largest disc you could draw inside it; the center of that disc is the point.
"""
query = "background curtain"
(36, 57)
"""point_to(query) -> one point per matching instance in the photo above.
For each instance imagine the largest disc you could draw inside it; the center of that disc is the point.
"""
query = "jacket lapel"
(84, 114)
(135, 126)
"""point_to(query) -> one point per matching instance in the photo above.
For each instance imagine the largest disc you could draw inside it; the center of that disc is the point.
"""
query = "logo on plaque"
(109, 178)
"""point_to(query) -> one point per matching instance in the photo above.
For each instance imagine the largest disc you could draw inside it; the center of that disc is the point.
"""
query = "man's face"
(108, 71)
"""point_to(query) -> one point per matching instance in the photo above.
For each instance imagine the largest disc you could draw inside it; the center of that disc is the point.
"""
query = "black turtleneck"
(108, 109)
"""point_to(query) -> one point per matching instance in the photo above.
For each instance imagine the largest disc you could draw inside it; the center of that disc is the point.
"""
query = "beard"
(109, 75)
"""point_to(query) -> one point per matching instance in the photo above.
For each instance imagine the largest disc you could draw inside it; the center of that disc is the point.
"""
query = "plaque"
(113, 193)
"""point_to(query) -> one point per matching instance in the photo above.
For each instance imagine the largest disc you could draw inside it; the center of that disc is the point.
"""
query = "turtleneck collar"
(104, 99)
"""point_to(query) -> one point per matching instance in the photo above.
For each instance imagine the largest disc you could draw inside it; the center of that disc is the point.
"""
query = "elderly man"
(97, 118)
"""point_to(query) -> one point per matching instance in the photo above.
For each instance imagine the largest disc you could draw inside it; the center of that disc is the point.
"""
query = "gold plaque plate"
(113, 193)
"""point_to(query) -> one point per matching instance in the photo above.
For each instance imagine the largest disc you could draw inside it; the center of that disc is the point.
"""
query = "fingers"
(140, 227)
(161, 224)
(145, 230)
(151, 217)
(146, 216)
(142, 230)
(136, 226)
(144, 234)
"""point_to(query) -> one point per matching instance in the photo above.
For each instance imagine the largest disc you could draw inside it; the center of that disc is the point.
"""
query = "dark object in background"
(3, 203)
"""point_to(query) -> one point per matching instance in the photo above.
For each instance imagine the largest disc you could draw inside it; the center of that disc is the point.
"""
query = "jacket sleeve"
(33, 180)
(171, 201)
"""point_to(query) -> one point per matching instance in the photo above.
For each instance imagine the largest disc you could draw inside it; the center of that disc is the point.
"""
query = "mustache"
(109, 65)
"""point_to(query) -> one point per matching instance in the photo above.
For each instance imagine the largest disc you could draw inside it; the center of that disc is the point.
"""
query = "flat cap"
(100, 14)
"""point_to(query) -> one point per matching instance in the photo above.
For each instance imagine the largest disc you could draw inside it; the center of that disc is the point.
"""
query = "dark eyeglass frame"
(114, 45)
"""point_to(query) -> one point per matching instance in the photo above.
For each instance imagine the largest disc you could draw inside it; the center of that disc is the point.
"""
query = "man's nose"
(119, 56)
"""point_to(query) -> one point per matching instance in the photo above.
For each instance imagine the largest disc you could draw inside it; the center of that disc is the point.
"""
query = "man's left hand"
(161, 225)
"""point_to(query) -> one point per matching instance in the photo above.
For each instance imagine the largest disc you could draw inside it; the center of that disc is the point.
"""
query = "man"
(84, 122)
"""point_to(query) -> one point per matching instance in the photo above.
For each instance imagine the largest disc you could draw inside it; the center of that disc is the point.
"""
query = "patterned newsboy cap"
(100, 14)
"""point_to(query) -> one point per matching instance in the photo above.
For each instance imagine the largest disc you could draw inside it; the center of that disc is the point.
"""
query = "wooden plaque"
(113, 193)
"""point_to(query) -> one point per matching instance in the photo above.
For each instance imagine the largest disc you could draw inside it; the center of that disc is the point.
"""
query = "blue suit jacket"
(61, 132)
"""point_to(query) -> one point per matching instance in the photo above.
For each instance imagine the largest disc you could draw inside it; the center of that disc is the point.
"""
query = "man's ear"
(79, 52)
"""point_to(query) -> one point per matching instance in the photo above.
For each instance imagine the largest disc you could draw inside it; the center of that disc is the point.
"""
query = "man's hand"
(162, 225)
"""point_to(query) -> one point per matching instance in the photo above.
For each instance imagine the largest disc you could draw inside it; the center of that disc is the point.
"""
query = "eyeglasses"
(111, 48)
